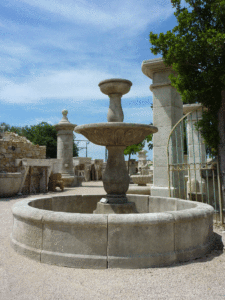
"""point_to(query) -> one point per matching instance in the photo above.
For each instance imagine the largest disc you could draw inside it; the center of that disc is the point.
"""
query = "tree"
(42, 134)
(195, 49)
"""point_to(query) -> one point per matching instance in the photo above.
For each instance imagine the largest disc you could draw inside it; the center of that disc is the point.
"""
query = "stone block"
(141, 202)
(75, 240)
(161, 77)
(162, 204)
(166, 96)
(176, 99)
(166, 116)
(177, 114)
(160, 177)
(27, 238)
(160, 156)
(160, 138)
(139, 190)
(162, 117)
(137, 240)
(191, 232)
(2, 150)
(159, 191)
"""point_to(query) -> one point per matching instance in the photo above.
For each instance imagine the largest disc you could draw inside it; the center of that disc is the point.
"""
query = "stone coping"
(11, 174)
(151, 66)
(192, 107)
(165, 231)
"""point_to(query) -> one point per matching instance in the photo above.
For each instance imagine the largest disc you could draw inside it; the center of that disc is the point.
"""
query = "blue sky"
(54, 53)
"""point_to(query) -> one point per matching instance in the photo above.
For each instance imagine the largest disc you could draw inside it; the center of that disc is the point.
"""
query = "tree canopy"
(42, 134)
(195, 49)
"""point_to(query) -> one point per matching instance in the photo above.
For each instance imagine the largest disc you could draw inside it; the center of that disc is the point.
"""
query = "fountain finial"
(115, 88)
(64, 118)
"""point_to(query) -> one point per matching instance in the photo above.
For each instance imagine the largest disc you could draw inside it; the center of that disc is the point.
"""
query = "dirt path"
(24, 279)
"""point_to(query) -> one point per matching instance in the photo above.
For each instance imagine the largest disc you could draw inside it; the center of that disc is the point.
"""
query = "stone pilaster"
(65, 149)
(167, 111)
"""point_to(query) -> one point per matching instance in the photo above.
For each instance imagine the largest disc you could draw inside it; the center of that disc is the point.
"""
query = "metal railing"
(192, 174)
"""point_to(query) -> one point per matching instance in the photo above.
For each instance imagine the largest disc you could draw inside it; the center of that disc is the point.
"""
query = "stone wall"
(14, 147)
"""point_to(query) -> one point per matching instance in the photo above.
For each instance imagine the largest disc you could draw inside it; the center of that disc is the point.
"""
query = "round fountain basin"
(115, 86)
(115, 133)
(62, 230)
(10, 184)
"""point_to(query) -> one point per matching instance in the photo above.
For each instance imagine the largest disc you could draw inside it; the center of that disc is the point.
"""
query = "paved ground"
(24, 279)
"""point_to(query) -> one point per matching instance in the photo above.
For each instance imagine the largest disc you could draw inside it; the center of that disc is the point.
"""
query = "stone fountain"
(116, 136)
(113, 230)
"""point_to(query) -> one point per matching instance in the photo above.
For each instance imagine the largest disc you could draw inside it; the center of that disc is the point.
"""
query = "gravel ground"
(24, 279)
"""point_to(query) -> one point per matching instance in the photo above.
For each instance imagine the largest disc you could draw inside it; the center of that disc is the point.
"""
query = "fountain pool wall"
(62, 230)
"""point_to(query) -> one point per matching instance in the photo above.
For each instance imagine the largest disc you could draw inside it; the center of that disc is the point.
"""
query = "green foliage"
(42, 134)
(195, 48)
(133, 149)
(7, 126)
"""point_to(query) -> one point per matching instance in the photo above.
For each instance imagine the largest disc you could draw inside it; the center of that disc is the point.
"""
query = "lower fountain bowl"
(62, 230)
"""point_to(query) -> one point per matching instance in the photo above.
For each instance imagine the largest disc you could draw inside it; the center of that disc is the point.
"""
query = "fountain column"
(167, 111)
(65, 149)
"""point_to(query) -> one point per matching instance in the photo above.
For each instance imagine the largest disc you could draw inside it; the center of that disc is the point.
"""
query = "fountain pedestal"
(117, 208)
(115, 178)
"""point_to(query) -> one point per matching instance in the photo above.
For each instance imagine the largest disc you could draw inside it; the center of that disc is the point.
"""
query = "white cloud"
(132, 15)
(72, 84)
(75, 85)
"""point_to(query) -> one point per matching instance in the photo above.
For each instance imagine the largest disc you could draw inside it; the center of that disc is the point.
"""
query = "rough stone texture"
(65, 149)
(56, 230)
(14, 147)
(167, 111)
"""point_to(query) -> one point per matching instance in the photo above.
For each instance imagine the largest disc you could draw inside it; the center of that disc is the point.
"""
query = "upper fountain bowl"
(115, 133)
(115, 86)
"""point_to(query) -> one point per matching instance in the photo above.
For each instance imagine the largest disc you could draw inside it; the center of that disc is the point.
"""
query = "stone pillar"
(196, 149)
(142, 160)
(167, 111)
(65, 149)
